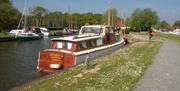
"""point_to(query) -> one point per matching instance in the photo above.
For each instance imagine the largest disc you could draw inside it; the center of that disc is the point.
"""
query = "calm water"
(18, 62)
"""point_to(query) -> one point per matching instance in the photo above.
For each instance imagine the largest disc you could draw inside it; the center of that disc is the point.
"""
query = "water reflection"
(18, 62)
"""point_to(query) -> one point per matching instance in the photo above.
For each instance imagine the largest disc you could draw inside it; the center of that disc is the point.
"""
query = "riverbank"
(120, 70)
(6, 37)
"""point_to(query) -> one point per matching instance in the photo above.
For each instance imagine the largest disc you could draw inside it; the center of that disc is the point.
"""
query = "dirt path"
(164, 73)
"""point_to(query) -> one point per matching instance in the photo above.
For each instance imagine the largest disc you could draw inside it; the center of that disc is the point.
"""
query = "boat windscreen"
(91, 30)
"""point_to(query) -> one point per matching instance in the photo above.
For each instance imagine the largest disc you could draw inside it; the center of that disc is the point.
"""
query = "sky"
(168, 10)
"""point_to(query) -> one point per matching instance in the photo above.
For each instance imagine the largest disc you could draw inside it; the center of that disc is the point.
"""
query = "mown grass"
(159, 37)
(119, 71)
(170, 37)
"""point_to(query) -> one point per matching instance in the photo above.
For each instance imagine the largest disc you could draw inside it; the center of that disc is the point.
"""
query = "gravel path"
(164, 73)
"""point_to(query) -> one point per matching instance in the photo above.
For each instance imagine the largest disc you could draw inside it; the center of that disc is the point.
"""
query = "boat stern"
(52, 61)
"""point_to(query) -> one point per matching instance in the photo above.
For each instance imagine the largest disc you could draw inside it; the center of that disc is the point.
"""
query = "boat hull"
(26, 38)
(97, 53)
(70, 59)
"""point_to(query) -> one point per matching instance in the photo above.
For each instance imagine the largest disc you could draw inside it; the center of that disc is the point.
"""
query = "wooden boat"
(91, 42)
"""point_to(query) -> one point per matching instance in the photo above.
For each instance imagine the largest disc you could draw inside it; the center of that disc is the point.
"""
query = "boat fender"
(55, 66)
(125, 40)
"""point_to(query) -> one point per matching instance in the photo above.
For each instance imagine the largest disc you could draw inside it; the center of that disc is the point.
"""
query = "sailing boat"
(27, 33)
(18, 30)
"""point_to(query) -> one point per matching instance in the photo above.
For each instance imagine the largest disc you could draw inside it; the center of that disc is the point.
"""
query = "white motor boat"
(16, 31)
(44, 31)
(176, 31)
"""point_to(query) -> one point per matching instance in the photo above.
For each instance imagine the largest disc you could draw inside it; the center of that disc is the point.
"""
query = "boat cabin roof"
(77, 38)
(86, 33)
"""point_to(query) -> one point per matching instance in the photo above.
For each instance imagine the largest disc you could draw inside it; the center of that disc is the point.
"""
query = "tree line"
(140, 20)
(40, 16)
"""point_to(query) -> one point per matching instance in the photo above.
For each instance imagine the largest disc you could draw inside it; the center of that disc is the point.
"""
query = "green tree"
(58, 19)
(5, 1)
(9, 15)
(143, 20)
(164, 25)
(55, 19)
(38, 12)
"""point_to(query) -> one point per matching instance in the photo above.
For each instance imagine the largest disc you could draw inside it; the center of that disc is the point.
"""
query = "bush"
(126, 31)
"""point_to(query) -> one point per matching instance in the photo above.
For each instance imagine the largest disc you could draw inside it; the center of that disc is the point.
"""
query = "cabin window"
(99, 42)
(92, 30)
(92, 43)
(83, 45)
(111, 30)
(64, 45)
(69, 46)
(89, 44)
(59, 45)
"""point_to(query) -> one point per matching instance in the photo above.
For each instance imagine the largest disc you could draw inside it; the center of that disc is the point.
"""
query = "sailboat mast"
(70, 17)
(109, 13)
(25, 24)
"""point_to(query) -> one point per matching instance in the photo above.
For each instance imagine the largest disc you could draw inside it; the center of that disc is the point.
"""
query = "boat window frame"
(99, 31)
(65, 44)
(92, 43)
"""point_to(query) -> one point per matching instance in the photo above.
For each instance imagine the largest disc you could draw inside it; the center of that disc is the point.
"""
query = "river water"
(18, 62)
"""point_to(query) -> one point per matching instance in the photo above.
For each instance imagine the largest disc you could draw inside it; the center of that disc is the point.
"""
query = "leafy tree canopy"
(5, 1)
(143, 20)
(9, 15)
(38, 11)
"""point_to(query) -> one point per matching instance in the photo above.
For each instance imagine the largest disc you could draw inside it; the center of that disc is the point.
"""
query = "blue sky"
(168, 10)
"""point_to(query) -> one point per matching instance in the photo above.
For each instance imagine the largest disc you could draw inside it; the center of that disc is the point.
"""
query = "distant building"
(176, 27)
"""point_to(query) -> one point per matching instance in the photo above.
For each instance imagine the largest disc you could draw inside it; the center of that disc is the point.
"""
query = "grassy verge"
(170, 37)
(159, 36)
(119, 71)
(5, 35)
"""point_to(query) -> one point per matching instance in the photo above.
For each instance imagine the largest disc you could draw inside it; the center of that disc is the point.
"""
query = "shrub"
(126, 31)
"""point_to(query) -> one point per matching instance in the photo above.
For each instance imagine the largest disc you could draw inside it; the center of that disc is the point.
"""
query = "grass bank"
(170, 37)
(119, 71)
(159, 37)
(5, 35)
